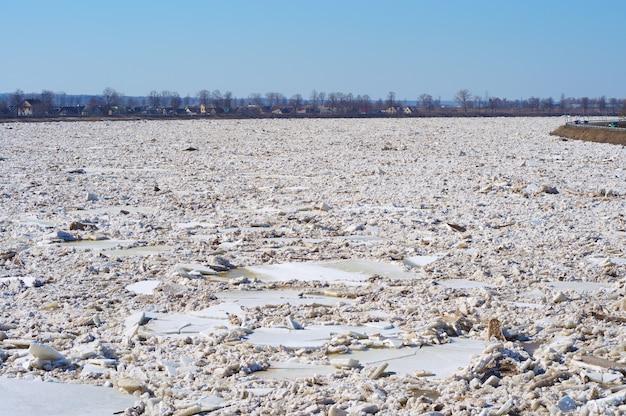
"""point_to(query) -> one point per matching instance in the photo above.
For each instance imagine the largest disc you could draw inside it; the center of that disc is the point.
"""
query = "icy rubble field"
(312, 266)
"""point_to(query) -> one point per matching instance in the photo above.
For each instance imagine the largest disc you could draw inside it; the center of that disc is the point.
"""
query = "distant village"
(214, 104)
(34, 108)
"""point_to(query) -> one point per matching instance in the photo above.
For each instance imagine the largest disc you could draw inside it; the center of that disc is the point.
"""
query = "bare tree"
(348, 102)
(256, 99)
(366, 104)
(203, 97)
(93, 104)
(15, 100)
(228, 100)
(427, 101)
(296, 101)
(322, 97)
(391, 98)
(61, 97)
(602, 104)
(584, 103)
(613, 104)
(47, 100)
(462, 97)
(563, 104)
(166, 97)
(533, 103)
(217, 99)
(314, 97)
(477, 101)
(274, 98)
(175, 100)
(154, 98)
(333, 101)
(111, 98)
(548, 103)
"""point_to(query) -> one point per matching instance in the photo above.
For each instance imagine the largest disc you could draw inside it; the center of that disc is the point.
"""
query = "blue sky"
(507, 49)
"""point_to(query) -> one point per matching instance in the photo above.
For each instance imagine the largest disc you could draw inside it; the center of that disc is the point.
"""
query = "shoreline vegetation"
(205, 103)
(594, 132)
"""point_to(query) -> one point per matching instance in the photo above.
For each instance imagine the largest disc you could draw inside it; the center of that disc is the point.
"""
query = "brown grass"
(591, 135)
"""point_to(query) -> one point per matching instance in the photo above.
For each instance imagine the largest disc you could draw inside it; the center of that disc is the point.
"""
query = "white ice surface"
(253, 298)
(442, 360)
(138, 251)
(144, 287)
(37, 398)
(578, 286)
(420, 261)
(314, 336)
(350, 272)
(179, 325)
(28, 280)
(462, 284)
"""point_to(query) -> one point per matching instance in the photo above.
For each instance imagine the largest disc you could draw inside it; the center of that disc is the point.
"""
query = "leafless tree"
(322, 97)
(175, 100)
(548, 103)
(366, 103)
(228, 100)
(314, 98)
(584, 104)
(166, 97)
(391, 99)
(333, 101)
(363, 103)
(477, 101)
(15, 100)
(296, 101)
(533, 103)
(347, 102)
(203, 97)
(427, 101)
(613, 104)
(255, 99)
(274, 98)
(602, 104)
(111, 98)
(47, 100)
(154, 98)
(93, 104)
(216, 99)
(462, 97)
(61, 97)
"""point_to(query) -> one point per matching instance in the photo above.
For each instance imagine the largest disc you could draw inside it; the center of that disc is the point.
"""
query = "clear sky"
(505, 48)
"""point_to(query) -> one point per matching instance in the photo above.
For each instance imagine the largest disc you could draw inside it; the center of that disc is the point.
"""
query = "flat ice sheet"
(314, 336)
(579, 287)
(37, 398)
(442, 360)
(350, 272)
(462, 284)
(144, 287)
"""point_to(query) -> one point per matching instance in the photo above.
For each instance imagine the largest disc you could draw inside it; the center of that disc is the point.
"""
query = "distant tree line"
(215, 103)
